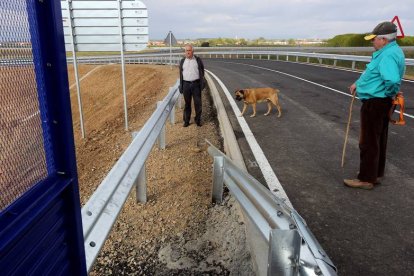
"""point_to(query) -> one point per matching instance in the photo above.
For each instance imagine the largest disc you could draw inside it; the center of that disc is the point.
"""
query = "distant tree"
(205, 44)
(357, 40)
(406, 41)
(348, 40)
(291, 41)
(242, 42)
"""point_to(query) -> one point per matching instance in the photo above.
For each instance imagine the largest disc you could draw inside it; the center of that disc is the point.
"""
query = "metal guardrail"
(320, 49)
(292, 248)
(100, 212)
(164, 58)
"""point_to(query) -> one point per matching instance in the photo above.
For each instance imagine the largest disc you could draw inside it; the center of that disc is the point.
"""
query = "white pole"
(123, 64)
(75, 67)
(170, 34)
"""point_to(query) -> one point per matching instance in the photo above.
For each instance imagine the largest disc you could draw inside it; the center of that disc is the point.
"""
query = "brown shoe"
(356, 183)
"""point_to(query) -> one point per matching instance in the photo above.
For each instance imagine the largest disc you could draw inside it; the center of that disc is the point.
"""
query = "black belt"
(378, 99)
(191, 82)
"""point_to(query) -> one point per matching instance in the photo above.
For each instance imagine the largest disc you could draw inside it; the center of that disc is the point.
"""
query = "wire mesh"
(23, 148)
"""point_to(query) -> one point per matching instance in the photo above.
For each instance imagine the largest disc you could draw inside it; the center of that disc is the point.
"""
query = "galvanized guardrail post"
(288, 254)
(141, 186)
(172, 113)
(353, 65)
(218, 179)
(161, 137)
(180, 101)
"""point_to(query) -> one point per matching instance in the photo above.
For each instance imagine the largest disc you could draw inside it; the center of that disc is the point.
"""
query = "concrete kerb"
(258, 248)
(231, 147)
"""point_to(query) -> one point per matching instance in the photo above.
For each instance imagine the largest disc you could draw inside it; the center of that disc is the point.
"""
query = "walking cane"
(347, 129)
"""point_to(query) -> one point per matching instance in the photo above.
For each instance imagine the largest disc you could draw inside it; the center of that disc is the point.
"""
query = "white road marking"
(333, 68)
(30, 117)
(87, 74)
(38, 112)
(267, 171)
(305, 80)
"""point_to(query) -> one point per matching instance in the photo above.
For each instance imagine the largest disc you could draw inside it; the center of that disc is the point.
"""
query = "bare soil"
(178, 231)
(20, 162)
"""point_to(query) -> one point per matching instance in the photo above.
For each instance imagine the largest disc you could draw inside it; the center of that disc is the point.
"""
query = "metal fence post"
(335, 60)
(284, 252)
(277, 57)
(75, 67)
(353, 65)
(287, 57)
(141, 186)
(297, 58)
(161, 137)
(218, 178)
(124, 88)
(268, 57)
(307, 59)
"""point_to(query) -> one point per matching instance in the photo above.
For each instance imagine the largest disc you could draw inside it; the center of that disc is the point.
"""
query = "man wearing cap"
(191, 84)
(376, 87)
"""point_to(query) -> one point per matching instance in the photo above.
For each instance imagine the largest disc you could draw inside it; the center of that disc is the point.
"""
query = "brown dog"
(256, 95)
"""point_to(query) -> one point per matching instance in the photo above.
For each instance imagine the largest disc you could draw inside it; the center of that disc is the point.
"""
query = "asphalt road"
(363, 232)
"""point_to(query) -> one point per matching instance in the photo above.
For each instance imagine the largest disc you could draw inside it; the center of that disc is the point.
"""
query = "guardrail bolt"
(279, 213)
(318, 271)
(292, 226)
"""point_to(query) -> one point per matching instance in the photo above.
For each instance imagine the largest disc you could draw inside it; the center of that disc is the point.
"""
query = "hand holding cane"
(353, 91)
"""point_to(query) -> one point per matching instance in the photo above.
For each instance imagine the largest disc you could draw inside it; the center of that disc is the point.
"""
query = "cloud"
(272, 18)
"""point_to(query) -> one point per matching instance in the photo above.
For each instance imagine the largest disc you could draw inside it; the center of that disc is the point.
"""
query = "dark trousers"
(191, 90)
(373, 138)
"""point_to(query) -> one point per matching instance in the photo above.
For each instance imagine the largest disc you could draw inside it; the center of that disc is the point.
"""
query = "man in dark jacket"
(191, 84)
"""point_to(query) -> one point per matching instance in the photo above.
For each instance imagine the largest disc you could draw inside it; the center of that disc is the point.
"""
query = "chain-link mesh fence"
(23, 160)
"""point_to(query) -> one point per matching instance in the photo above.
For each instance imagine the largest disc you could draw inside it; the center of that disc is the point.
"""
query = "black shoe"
(199, 124)
(186, 124)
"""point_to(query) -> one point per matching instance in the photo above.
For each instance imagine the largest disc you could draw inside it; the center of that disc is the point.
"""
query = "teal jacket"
(382, 77)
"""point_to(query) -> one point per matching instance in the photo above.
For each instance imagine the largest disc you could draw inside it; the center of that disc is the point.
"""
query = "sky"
(273, 19)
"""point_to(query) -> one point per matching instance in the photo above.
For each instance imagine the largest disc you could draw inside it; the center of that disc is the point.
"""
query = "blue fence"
(40, 222)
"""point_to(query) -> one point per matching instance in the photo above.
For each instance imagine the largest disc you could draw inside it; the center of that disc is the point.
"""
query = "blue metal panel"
(41, 231)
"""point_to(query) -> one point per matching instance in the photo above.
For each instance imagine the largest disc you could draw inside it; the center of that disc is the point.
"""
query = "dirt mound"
(178, 232)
